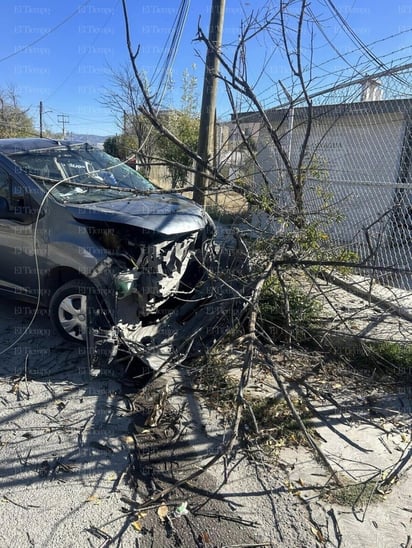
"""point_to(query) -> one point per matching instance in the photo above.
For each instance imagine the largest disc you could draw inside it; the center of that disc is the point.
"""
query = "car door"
(20, 259)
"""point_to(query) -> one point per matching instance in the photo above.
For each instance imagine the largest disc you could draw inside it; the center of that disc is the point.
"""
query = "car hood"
(162, 213)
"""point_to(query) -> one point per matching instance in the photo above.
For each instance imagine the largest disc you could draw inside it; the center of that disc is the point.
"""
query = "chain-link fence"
(357, 162)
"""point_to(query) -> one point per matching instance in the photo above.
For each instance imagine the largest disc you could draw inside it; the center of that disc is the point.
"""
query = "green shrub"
(288, 311)
(389, 356)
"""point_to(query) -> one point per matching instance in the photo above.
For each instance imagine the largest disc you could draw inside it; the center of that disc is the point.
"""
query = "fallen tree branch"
(165, 492)
(399, 466)
(248, 361)
(341, 408)
(298, 418)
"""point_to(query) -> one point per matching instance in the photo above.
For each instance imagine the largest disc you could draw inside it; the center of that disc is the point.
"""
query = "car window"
(4, 185)
(14, 194)
(81, 174)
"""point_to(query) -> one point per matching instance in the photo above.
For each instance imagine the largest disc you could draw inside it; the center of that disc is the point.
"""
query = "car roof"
(13, 146)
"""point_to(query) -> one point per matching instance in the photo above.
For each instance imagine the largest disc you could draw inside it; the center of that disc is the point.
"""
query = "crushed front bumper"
(145, 308)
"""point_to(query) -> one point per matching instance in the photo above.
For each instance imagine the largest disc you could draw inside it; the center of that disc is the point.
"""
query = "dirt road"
(79, 455)
(68, 467)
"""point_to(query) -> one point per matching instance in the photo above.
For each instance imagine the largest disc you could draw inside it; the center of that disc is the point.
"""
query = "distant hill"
(97, 140)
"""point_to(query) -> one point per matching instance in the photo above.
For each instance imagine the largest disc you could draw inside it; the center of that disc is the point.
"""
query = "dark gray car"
(87, 236)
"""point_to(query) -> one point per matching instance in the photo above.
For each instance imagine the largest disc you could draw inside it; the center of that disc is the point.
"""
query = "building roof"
(386, 106)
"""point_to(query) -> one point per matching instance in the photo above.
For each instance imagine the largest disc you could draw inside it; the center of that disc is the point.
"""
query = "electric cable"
(175, 39)
(179, 24)
(76, 66)
(352, 35)
(73, 14)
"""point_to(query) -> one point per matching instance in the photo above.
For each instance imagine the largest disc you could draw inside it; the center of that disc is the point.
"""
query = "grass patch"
(388, 357)
(355, 495)
(287, 312)
(267, 420)
(211, 376)
(275, 421)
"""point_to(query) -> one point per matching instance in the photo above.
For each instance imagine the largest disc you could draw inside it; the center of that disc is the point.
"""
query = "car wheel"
(68, 309)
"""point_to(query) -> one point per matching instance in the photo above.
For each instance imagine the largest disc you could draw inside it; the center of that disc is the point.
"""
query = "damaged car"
(94, 241)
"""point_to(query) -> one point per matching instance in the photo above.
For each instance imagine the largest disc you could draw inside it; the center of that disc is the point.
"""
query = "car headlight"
(124, 282)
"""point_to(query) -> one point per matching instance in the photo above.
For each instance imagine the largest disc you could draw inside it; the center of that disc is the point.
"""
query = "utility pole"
(208, 110)
(63, 119)
(41, 118)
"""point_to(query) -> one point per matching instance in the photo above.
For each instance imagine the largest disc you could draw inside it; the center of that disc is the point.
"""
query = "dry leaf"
(60, 405)
(289, 486)
(318, 534)
(162, 511)
(137, 525)
(93, 498)
(204, 537)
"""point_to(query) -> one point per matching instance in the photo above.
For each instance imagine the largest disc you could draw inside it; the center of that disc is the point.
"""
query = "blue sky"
(62, 53)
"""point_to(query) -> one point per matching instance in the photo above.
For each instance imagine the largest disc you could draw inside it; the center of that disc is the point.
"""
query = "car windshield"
(84, 174)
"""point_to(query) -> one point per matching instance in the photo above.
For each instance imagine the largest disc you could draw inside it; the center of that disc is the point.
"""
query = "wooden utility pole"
(207, 116)
(63, 119)
(41, 118)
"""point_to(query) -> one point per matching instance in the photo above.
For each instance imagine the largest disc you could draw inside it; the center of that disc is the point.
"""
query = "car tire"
(68, 309)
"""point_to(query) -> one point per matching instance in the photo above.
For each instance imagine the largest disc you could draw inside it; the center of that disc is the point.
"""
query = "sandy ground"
(73, 457)
(77, 457)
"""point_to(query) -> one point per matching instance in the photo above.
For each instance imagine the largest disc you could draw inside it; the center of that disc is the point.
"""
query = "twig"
(24, 461)
(298, 419)
(408, 543)
(149, 505)
(386, 446)
(336, 527)
(286, 306)
(397, 468)
(248, 362)
(99, 533)
(220, 516)
(165, 492)
(373, 491)
(25, 507)
(80, 441)
(26, 366)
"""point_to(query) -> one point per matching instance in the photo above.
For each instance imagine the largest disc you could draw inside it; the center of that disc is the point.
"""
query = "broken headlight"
(124, 283)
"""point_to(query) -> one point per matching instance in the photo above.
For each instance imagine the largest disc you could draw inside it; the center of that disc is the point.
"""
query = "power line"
(71, 72)
(174, 38)
(361, 70)
(45, 34)
(352, 35)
